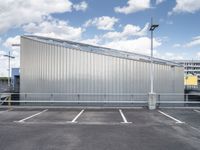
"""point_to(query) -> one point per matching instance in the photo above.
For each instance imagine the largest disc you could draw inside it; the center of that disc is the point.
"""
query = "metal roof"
(100, 50)
(188, 61)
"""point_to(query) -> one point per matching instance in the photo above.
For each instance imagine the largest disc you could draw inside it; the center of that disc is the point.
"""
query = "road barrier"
(100, 99)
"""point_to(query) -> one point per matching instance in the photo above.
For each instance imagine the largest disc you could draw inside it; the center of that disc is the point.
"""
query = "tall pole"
(9, 56)
(152, 95)
(152, 68)
(9, 70)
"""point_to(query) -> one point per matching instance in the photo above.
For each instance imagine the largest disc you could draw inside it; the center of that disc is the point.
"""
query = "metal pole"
(152, 68)
(9, 70)
(9, 56)
(152, 95)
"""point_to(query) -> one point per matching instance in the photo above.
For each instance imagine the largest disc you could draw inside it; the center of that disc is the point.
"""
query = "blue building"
(15, 76)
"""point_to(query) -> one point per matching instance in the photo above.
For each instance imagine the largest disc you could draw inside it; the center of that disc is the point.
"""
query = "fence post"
(132, 97)
(186, 97)
(104, 98)
(158, 100)
(78, 95)
(52, 99)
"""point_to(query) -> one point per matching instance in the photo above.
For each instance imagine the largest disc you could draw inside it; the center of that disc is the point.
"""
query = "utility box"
(152, 101)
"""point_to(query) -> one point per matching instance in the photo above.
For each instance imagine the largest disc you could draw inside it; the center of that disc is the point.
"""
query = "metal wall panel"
(49, 68)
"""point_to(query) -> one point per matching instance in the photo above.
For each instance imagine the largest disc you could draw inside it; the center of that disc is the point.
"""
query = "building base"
(152, 101)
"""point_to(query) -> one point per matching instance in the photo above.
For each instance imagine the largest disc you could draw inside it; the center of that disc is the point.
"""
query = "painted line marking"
(31, 116)
(70, 123)
(75, 118)
(194, 128)
(177, 121)
(3, 111)
(198, 111)
(123, 117)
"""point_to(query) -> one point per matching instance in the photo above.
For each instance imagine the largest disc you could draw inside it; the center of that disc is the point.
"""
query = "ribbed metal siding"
(48, 68)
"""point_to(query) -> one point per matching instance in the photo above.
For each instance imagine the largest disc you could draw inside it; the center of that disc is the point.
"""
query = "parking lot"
(98, 128)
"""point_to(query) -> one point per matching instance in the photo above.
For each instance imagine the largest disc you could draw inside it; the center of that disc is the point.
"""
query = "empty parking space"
(100, 116)
(188, 116)
(146, 117)
(11, 115)
(54, 116)
(196, 110)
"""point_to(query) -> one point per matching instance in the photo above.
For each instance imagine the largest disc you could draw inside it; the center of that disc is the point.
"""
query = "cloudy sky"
(119, 24)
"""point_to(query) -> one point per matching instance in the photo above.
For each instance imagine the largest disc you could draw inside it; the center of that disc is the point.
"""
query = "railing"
(112, 99)
(74, 98)
(178, 100)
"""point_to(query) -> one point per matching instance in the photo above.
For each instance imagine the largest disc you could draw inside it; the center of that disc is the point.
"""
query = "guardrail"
(75, 98)
(178, 99)
(127, 99)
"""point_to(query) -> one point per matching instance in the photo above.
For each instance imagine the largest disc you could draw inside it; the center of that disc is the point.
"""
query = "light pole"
(152, 95)
(152, 28)
(9, 57)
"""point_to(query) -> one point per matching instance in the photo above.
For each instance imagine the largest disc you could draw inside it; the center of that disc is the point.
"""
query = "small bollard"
(152, 101)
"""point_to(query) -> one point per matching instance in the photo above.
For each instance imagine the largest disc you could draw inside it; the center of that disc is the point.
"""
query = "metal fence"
(178, 100)
(73, 99)
(99, 99)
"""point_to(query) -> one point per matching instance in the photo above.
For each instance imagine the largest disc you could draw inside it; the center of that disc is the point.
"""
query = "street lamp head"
(17, 45)
(153, 26)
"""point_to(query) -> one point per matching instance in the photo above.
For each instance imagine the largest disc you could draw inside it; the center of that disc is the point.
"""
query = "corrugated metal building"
(57, 66)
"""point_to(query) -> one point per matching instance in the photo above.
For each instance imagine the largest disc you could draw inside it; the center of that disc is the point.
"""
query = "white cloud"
(140, 45)
(11, 40)
(189, 6)
(4, 64)
(195, 42)
(159, 1)
(128, 31)
(102, 23)
(82, 6)
(93, 41)
(126, 40)
(51, 27)
(170, 56)
(133, 6)
(14, 13)
(198, 55)
(15, 51)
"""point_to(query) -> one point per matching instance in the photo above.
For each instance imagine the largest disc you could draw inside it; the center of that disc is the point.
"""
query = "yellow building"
(191, 80)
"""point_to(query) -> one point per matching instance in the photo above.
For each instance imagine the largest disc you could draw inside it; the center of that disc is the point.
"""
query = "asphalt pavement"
(99, 129)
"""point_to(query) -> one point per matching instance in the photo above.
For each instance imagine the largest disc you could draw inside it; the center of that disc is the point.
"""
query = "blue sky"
(119, 24)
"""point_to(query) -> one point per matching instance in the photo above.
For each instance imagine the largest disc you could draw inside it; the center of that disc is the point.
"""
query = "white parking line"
(3, 111)
(194, 128)
(177, 121)
(31, 116)
(75, 118)
(123, 117)
(198, 111)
